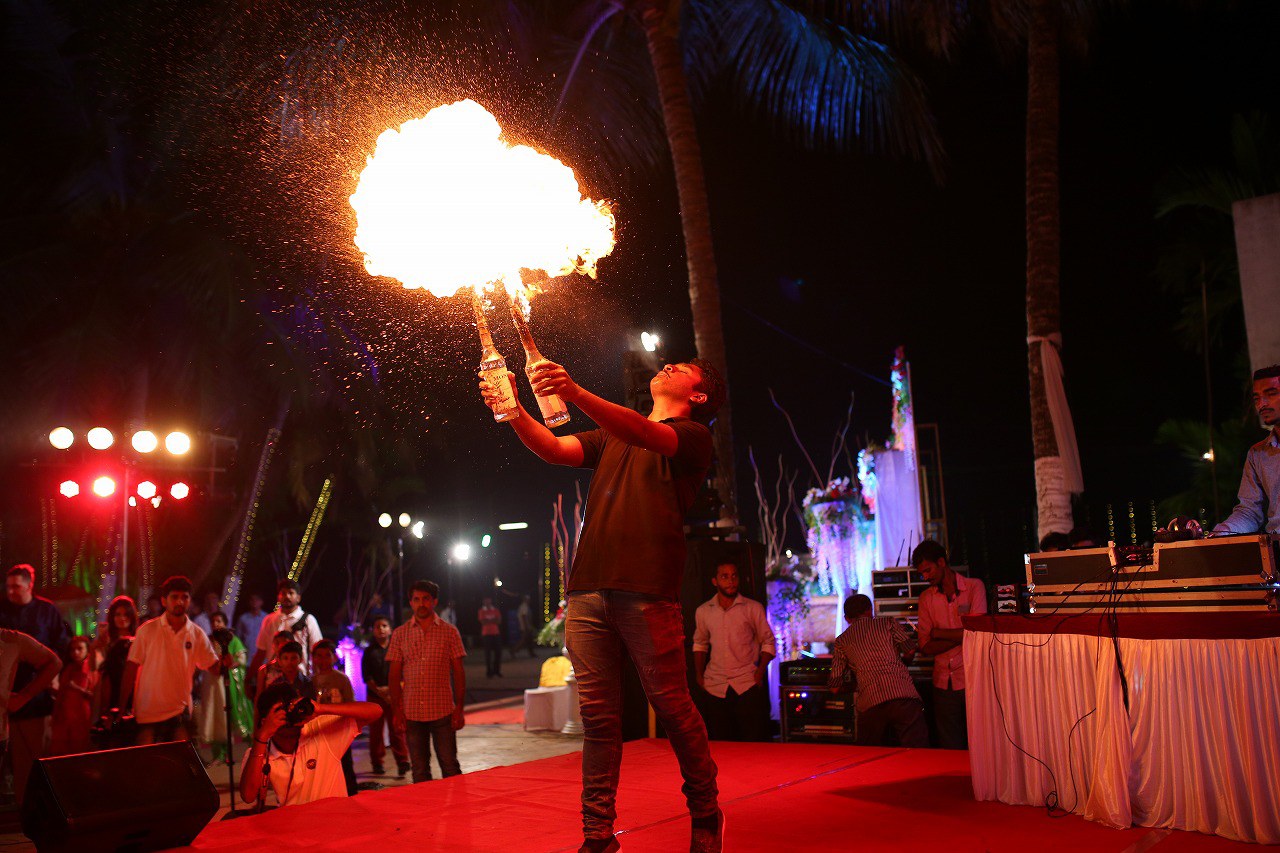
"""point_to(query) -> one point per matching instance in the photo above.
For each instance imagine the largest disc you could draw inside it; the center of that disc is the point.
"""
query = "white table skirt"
(546, 708)
(1198, 749)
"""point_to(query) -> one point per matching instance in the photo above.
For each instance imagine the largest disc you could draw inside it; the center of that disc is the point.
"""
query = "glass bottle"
(493, 368)
(554, 411)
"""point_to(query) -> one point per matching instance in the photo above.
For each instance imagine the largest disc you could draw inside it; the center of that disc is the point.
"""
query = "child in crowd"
(269, 673)
(211, 716)
(288, 663)
(331, 684)
(72, 703)
(332, 687)
(111, 653)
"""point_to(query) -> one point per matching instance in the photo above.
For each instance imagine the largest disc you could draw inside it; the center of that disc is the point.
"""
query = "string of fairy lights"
(107, 574)
(546, 582)
(231, 590)
(45, 572)
(313, 525)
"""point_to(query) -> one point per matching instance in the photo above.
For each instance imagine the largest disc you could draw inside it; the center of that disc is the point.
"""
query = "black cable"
(1052, 799)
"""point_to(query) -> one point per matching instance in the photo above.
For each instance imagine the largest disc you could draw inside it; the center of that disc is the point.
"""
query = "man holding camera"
(298, 746)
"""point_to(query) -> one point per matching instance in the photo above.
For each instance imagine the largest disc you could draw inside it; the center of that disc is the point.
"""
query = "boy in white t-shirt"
(304, 758)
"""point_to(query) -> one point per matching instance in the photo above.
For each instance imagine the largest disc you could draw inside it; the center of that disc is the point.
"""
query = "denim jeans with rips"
(601, 626)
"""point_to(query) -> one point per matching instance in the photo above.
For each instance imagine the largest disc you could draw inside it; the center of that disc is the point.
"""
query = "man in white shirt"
(290, 617)
(948, 599)
(18, 648)
(735, 630)
(304, 757)
(163, 659)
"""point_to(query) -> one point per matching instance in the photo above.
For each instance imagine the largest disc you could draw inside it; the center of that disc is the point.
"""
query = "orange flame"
(444, 204)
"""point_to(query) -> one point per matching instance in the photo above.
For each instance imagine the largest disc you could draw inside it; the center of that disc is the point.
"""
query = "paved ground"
(479, 746)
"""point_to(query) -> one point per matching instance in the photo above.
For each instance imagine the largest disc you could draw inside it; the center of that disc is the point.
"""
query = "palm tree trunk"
(1043, 234)
(660, 19)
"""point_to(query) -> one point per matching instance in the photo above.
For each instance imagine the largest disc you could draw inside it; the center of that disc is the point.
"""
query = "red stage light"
(147, 490)
(69, 488)
(104, 487)
(178, 491)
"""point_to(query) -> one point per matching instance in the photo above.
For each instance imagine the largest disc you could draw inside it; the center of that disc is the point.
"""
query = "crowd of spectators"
(181, 672)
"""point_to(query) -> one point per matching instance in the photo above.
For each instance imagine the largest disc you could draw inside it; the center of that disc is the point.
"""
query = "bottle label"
(497, 376)
(554, 411)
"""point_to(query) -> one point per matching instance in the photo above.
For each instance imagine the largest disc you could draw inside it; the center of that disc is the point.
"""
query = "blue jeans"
(421, 737)
(600, 627)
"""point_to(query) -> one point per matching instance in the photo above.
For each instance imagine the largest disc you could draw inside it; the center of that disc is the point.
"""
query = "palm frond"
(825, 85)
(1253, 170)
(937, 26)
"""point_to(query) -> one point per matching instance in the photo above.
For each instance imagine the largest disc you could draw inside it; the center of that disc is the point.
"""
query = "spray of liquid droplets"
(445, 204)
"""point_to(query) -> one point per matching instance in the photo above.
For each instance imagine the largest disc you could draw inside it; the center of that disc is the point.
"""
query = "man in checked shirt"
(872, 647)
(428, 683)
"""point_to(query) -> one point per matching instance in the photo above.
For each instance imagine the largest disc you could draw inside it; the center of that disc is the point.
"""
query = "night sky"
(851, 253)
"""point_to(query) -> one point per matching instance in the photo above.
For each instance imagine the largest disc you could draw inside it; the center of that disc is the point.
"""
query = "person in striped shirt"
(872, 648)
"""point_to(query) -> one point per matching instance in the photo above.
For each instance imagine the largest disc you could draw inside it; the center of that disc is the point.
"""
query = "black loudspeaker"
(702, 559)
(135, 799)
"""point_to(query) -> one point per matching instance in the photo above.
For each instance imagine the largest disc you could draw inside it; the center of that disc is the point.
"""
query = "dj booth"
(1154, 700)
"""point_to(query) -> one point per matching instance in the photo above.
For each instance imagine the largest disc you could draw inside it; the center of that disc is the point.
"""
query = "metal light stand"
(231, 755)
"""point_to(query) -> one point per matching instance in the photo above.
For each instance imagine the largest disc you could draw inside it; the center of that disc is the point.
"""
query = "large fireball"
(444, 203)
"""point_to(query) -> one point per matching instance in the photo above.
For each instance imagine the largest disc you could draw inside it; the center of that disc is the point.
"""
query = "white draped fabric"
(546, 708)
(899, 521)
(1196, 750)
(1055, 392)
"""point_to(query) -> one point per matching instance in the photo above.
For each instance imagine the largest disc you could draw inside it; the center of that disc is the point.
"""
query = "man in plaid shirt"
(428, 684)
(873, 648)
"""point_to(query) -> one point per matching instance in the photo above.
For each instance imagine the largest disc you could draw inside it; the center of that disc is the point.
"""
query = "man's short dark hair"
(378, 619)
(1055, 542)
(325, 644)
(279, 692)
(1272, 372)
(292, 646)
(929, 550)
(855, 605)
(431, 588)
(713, 386)
(23, 570)
(175, 583)
(1080, 535)
(288, 584)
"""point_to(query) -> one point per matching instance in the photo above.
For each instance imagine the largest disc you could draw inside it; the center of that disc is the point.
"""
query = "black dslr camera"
(298, 709)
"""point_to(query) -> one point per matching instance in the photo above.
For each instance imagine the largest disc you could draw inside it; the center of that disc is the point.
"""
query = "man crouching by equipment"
(298, 746)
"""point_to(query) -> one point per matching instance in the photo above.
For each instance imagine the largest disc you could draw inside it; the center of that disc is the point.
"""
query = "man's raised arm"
(546, 445)
(619, 421)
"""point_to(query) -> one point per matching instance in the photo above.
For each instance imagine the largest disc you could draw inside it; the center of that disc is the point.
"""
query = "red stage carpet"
(777, 797)
(512, 715)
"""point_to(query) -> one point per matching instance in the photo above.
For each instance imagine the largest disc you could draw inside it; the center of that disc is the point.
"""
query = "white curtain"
(898, 517)
(1205, 719)
(1197, 749)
